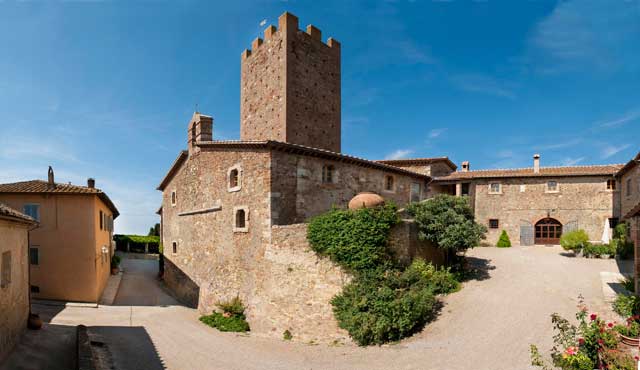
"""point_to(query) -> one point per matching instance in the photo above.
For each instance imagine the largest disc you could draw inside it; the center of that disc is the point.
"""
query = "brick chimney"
(536, 163)
(91, 182)
(51, 183)
(466, 166)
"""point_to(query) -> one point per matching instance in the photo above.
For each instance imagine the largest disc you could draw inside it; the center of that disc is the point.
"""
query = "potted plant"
(34, 322)
(115, 263)
(630, 333)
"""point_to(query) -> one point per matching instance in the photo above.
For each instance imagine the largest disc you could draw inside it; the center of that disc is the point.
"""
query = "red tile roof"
(9, 213)
(632, 163)
(418, 161)
(289, 148)
(600, 170)
(40, 187)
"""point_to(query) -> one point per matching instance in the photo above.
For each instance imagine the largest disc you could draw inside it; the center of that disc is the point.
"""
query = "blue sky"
(105, 89)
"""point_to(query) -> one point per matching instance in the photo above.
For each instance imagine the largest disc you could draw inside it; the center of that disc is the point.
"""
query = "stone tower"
(290, 87)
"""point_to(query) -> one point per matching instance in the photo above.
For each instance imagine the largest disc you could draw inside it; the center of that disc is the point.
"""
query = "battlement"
(288, 22)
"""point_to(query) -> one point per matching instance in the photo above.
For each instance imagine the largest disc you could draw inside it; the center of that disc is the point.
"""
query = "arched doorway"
(548, 231)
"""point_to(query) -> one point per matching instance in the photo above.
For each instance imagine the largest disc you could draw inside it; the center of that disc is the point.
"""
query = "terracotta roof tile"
(39, 186)
(418, 161)
(10, 213)
(600, 170)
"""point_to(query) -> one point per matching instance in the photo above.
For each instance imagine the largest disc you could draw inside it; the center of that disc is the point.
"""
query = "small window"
(552, 186)
(328, 174)
(628, 187)
(174, 247)
(389, 183)
(35, 289)
(240, 219)
(495, 188)
(234, 178)
(5, 279)
(34, 256)
(32, 210)
(465, 189)
(494, 223)
(611, 184)
(415, 192)
(101, 220)
(174, 198)
(613, 222)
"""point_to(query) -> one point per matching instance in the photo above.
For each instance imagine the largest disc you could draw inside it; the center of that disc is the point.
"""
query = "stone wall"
(406, 246)
(290, 87)
(14, 300)
(298, 192)
(630, 198)
(582, 201)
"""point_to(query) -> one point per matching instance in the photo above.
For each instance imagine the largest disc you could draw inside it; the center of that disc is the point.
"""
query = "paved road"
(139, 286)
(489, 325)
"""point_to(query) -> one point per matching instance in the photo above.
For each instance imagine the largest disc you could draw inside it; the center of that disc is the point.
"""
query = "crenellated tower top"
(290, 87)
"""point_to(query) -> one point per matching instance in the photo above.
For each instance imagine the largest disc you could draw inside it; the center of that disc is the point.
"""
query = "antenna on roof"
(197, 108)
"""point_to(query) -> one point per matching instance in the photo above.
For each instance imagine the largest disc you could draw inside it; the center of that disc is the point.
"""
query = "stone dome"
(366, 199)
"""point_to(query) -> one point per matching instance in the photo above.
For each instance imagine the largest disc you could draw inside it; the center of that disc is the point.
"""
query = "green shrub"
(504, 241)
(286, 335)
(448, 222)
(626, 305)
(574, 240)
(383, 308)
(356, 240)
(115, 261)
(598, 250)
(631, 329)
(231, 319)
(234, 306)
(226, 323)
(439, 280)
(628, 284)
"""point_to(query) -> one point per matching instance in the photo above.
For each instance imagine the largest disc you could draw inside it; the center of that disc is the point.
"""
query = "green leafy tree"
(504, 241)
(154, 230)
(448, 222)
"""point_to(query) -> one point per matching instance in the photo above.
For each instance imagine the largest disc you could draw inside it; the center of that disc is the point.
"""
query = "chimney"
(536, 163)
(51, 181)
(200, 129)
(466, 166)
(91, 182)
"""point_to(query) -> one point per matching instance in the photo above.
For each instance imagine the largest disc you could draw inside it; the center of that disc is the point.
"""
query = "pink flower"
(610, 325)
(600, 341)
(593, 316)
(571, 351)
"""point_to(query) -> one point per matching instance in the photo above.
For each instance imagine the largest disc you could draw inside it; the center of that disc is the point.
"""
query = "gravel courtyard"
(488, 325)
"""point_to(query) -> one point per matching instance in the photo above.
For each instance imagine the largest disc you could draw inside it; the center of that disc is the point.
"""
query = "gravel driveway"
(488, 325)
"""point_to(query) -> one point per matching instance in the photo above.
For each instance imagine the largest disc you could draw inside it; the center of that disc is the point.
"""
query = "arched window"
(548, 231)
(234, 177)
(173, 198)
(327, 174)
(240, 221)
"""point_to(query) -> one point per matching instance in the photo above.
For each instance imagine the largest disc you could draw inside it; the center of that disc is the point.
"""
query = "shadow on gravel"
(568, 254)
(477, 269)
(129, 348)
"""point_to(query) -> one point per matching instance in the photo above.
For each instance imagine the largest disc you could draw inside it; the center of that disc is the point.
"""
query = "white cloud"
(611, 150)
(572, 161)
(399, 154)
(478, 83)
(593, 33)
(559, 145)
(629, 117)
(436, 132)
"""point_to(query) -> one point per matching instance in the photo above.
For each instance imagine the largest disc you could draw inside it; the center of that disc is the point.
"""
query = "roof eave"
(173, 169)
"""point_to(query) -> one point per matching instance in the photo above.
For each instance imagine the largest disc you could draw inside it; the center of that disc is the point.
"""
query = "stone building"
(233, 212)
(14, 276)
(629, 177)
(536, 205)
(70, 252)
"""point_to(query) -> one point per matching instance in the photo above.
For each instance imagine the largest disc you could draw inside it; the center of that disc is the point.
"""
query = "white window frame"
(244, 229)
(499, 188)
(32, 204)
(173, 198)
(238, 186)
(548, 190)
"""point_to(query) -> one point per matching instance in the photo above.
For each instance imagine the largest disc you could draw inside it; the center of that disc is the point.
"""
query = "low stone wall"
(406, 246)
(185, 289)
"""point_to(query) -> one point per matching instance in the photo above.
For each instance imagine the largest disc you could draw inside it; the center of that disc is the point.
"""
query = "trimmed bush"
(448, 222)
(439, 280)
(623, 245)
(574, 240)
(598, 250)
(231, 319)
(356, 240)
(504, 241)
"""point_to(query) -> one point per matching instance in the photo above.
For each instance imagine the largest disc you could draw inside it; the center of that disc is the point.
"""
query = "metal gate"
(526, 233)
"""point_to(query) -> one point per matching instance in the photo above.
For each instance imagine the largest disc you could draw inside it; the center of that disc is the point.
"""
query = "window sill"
(500, 193)
(241, 230)
(552, 192)
(234, 189)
